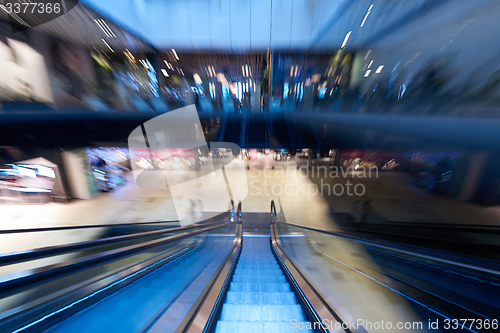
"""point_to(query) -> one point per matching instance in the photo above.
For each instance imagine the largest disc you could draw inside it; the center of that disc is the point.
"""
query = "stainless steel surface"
(20, 256)
(13, 283)
(80, 290)
(210, 300)
(319, 308)
(408, 252)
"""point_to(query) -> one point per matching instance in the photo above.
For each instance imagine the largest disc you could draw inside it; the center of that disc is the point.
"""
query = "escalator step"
(257, 287)
(261, 313)
(269, 271)
(257, 266)
(252, 327)
(283, 298)
(257, 278)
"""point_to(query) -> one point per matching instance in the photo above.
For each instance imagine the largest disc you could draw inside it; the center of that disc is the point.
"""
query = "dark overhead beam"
(324, 131)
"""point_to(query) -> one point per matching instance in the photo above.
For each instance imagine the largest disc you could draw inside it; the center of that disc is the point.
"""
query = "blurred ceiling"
(241, 26)
(256, 25)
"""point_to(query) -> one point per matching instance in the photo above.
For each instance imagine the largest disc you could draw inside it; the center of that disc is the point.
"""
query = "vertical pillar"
(196, 159)
(473, 175)
(270, 80)
(337, 158)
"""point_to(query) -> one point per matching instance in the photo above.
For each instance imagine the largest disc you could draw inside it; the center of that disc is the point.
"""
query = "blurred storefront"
(93, 170)
(24, 75)
(47, 69)
(31, 181)
(356, 158)
(165, 159)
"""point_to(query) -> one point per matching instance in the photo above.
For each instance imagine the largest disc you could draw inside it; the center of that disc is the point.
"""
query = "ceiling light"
(108, 46)
(175, 54)
(345, 39)
(364, 20)
(104, 27)
(367, 54)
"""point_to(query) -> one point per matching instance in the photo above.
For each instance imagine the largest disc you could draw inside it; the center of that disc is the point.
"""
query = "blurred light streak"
(108, 46)
(175, 54)
(366, 16)
(367, 54)
(346, 39)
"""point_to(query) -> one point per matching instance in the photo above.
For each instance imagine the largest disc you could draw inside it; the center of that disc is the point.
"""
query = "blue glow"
(318, 319)
(225, 92)
(101, 290)
(153, 80)
(322, 92)
(221, 291)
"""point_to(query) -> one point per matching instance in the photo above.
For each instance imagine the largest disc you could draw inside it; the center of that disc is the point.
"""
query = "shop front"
(31, 181)
(91, 171)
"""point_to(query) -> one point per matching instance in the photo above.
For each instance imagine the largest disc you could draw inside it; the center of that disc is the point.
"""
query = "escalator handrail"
(438, 226)
(202, 316)
(13, 283)
(402, 249)
(39, 253)
(273, 211)
(315, 304)
(482, 228)
(76, 227)
(313, 300)
(238, 212)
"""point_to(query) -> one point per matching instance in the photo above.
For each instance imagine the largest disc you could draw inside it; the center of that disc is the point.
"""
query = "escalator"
(259, 298)
(225, 277)
(132, 285)
(259, 290)
(248, 272)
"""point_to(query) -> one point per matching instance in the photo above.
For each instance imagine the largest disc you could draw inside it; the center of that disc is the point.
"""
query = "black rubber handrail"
(273, 211)
(437, 226)
(15, 282)
(398, 248)
(39, 253)
(15, 231)
(434, 225)
(238, 212)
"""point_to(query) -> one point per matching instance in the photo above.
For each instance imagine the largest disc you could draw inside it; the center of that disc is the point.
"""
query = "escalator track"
(231, 277)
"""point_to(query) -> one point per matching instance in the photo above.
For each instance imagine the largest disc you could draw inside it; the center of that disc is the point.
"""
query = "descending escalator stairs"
(259, 298)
